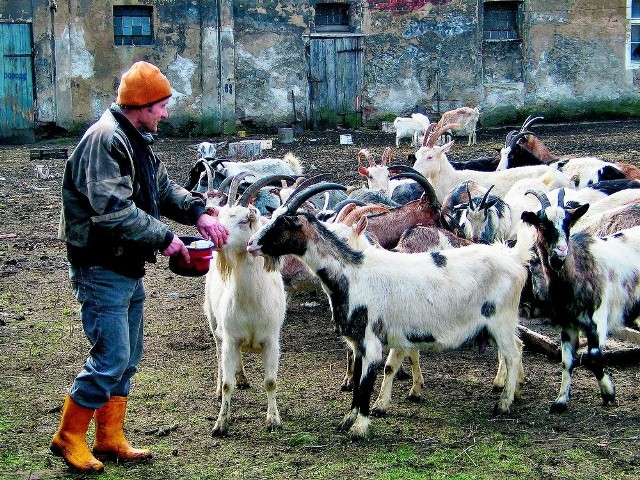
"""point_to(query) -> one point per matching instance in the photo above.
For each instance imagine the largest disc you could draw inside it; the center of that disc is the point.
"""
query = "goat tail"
(522, 251)
(293, 161)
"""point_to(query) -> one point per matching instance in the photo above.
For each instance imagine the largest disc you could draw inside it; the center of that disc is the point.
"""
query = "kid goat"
(378, 297)
(593, 286)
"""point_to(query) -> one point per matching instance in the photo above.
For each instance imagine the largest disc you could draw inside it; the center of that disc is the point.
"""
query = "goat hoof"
(414, 398)
(558, 407)
(378, 412)
(219, 431)
(346, 387)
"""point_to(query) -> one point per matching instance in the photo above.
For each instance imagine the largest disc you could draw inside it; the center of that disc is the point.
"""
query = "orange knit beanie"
(142, 85)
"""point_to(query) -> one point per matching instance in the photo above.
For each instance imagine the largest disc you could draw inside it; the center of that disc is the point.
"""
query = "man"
(113, 193)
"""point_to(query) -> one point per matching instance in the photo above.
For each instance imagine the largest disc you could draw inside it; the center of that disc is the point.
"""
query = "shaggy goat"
(593, 285)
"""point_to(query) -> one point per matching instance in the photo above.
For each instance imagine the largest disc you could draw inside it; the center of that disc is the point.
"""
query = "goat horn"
(252, 189)
(386, 156)
(219, 161)
(527, 123)
(427, 134)
(516, 138)
(344, 211)
(235, 184)
(542, 198)
(438, 133)
(358, 213)
(209, 171)
(307, 182)
(469, 198)
(507, 140)
(403, 168)
(483, 203)
(429, 192)
(561, 198)
(294, 202)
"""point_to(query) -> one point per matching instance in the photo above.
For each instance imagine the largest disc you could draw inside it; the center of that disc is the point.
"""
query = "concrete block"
(245, 148)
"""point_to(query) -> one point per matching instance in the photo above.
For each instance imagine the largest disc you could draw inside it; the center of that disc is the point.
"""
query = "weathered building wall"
(250, 59)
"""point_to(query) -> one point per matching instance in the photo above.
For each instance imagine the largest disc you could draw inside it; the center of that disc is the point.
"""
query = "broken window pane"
(132, 25)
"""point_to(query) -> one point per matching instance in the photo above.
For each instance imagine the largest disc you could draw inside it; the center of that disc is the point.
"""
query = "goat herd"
(427, 257)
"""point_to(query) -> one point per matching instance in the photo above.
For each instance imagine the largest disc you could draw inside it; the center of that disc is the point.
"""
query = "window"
(633, 9)
(502, 42)
(332, 17)
(132, 25)
(501, 21)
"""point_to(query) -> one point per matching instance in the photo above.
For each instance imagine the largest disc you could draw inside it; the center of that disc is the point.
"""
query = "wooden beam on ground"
(543, 344)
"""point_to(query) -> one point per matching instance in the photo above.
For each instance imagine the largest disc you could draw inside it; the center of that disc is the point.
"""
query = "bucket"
(285, 135)
(346, 139)
(200, 254)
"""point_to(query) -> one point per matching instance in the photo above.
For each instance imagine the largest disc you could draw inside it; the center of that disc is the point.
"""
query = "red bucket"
(200, 254)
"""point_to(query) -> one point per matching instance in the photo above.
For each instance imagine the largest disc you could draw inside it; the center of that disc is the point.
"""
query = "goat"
(432, 162)
(410, 127)
(208, 150)
(593, 286)
(245, 306)
(374, 300)
(466, 118)
(472, 212)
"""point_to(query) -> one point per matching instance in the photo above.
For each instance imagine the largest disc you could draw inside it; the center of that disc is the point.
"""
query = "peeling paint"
(82, 62)
(452, 27)
(179, 73)
(401, 7)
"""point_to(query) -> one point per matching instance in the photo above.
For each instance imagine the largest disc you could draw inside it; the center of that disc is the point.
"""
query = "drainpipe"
(53, 7)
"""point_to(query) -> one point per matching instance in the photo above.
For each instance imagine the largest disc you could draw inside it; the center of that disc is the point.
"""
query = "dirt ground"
(449, 433)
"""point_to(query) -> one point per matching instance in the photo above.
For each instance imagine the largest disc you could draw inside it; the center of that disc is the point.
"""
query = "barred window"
(501, 21)
(633, 48)
(132, 25)
(332, 17)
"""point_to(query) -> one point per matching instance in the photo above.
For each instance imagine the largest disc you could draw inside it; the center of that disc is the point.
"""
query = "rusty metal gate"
(336, 76)
(16, 84)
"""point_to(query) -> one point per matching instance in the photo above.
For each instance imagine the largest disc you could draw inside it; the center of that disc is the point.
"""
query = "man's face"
(149, 117)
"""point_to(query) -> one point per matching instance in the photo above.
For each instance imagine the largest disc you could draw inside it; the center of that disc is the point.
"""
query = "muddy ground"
(449, 433)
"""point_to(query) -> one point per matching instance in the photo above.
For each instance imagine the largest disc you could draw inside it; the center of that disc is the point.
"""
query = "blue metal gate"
(16, 84)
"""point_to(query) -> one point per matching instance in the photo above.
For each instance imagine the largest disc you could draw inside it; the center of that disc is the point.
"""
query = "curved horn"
(219, 161)
(307, 182)
(344, 211)
(235, 184)
(561, 197)
(429, 192)
(359, 212)
(252, 189)
(403, 168)
(294, 202)
(427, 134)
(469, 198)
(516, 138)
(527, 123)
(542, 198)
(386, 157)
(368, 156)
(209, 175)
(434, 138)
(483, 203)
(507, 140)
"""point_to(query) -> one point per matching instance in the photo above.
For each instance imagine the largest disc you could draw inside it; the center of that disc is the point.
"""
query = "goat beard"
(272, 264)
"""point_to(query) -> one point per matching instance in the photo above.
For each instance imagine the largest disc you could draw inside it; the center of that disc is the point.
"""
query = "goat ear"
(363, 171)
(446, 147)
(576, 213)
(531, 218)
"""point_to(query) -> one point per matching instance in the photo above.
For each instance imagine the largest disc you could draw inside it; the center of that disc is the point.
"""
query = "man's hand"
(209, 227)
(176, 247)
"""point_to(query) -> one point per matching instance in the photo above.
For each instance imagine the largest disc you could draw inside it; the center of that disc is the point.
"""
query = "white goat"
(593, 286)
(466, 118)
(432, 162)
(245, 305)
(374, 300)
(410, 127)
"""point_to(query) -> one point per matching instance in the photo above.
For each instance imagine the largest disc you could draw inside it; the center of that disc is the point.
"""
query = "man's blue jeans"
(111, 312)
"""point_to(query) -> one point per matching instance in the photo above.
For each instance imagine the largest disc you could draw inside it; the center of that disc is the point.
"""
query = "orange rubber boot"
(70, 441)
(110, 441)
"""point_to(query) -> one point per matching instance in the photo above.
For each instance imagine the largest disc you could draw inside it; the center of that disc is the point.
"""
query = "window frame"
(332, 27)
(133, 12)
(518, 19)
(632, 22)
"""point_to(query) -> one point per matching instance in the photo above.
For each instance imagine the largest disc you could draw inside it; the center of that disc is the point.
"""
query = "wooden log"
(543, 344)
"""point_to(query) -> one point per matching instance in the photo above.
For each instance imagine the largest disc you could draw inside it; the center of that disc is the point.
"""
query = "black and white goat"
(439, 300)
(593, 285)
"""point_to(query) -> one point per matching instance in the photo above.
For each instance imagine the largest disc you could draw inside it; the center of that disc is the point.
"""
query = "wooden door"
(335, 81)
(16, 84)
